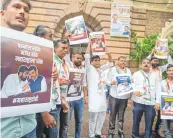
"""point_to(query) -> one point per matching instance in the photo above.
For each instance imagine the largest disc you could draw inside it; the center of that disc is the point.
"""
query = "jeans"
(158, 123)
(166, 124)
(59, 116)
(117, 108)
(138, 111)
(107, 97)
(78, 107)
(32, 134)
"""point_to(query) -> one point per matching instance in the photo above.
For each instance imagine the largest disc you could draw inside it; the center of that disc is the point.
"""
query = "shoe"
(120, 134)
(110, 136)
(97, 136)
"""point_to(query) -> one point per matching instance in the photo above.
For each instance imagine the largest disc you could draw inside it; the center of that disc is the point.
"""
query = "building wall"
(97, 17)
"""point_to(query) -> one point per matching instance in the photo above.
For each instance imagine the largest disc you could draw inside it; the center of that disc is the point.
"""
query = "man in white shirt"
(167, 87)
(96, 93)
(117, 103)
(146, 98)
(115, 25)
(158, 70)
(77, 102)
(16, 84)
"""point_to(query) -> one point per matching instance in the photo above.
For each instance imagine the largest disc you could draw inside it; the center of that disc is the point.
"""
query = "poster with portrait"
(161, 49)
(76, 78)
(120, 20)
(124, 85)
(98, 43)
(25, 73)
(166, 106)
(78, 30)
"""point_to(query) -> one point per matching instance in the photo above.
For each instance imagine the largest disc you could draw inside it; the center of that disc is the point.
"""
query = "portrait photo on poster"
(25, 70)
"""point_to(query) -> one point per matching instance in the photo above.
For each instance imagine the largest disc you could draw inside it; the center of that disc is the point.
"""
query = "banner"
(78, 29)
(76, 78)
(161, 49)
(25, 73)
(124, 85)
(98, 43)
(166, 106)
(120, 20)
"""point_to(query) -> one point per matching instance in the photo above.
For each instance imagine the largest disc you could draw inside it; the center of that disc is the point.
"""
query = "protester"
(15, 15)
(167, 87)
(146, 98)
(47, 121)
(61, 49)
(77, 103)
(158, 70)
(117, 103)
(96, 93)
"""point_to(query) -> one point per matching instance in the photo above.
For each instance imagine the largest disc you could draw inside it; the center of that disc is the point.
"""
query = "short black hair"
(22, 69)
(39, 30)
(5, 4)
(169, 66)
(32, 67)
(94, 57)
(77, 53)
(145, 59)
(56, 43)
(121, 57)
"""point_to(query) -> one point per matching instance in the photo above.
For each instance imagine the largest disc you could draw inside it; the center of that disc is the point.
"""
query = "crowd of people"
(147, 84)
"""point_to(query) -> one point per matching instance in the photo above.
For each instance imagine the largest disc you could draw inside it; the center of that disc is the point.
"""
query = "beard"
(78, 64)
(23, 79)
(154, 65)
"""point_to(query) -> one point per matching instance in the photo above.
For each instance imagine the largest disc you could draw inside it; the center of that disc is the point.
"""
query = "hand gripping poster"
(124, 85)
(26, 66)
(78, 30)
(120, 20)
(98, 43)
(166, 106)
(76, 78)
(161, 49)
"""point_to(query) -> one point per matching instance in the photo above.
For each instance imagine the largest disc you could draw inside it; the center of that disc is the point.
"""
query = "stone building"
(146, 18)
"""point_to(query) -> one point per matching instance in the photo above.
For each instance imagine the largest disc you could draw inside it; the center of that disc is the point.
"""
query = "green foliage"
(143, 48)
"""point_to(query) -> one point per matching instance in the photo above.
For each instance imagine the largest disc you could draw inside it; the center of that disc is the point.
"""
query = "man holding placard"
(15, 15)
(146, 98)
(77, 91)
(96, 92)
(119, 78)
(167, 91)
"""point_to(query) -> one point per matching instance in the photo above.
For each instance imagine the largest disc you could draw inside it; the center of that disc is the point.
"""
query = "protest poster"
(120, 20)
(166, 106)
(98, 43)
(161, 49)
(76, 78)
(124, 85)
(78, 30)
(26, 66)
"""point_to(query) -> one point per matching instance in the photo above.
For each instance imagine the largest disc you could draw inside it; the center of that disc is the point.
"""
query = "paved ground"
(127, 125)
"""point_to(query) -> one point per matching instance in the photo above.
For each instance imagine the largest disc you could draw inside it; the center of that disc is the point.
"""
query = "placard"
(78, 30)
(120, 20)
(98, 43)
(25, 73)
(161, 49)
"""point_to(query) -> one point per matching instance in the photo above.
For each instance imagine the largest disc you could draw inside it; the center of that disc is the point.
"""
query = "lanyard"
(168, 86)
(63, 64)
(147, 80)
(119, 71)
